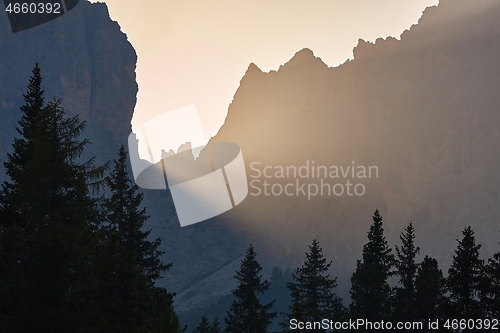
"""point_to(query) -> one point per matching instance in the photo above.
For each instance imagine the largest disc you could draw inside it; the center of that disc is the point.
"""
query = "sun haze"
(196, 52)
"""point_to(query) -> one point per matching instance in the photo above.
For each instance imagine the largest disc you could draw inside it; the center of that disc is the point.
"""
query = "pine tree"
(465, 279)
(215, 326)
(491, 290)
(429, 291)
(22, 149)
(370, 291)
(312, 290)
(406, 270)
(162, 315)
(127, 264)
(10, 218)
(46, 208)
(247, 314)
(126, 217)
(203, 327)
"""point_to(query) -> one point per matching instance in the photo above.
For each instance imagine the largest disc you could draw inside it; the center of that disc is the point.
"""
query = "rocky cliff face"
(86, 61)
(424, 109)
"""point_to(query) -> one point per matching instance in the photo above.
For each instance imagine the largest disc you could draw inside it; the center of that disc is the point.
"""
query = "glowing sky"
(197, 51)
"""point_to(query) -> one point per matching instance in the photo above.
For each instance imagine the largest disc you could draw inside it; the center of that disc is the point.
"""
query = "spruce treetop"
(312, 289)
(377, 250)
(370, 291)
(34, 102)
(465, 277)
(247, 314)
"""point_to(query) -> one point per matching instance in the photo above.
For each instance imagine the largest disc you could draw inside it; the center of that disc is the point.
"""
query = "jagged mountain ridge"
(425, 109)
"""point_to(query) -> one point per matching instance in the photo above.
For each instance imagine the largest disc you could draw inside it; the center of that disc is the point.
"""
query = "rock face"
(424, 109)
(86, 61)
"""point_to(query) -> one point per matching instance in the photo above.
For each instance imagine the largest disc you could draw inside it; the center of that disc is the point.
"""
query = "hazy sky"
(197, 51)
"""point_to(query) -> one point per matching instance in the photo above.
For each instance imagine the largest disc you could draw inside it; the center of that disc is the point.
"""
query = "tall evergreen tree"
(247, 314)
(370, 291)
(312, 290)
(406, 270)
(465, 279)
(23, 147)
(127, 264)
(491, 290)
(429, 291)
(215, 326)
(10, 218)
(46, 208)
(126, 218)
(203, 327)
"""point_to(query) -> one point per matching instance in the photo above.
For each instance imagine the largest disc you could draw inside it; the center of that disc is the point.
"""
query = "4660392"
(33, 8)
(479, 324)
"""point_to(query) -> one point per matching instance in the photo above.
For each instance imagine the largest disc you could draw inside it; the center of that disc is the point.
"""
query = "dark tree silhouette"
(247, 314)
(312, 290)
(127, 264)
(429, 291)
(406, 270)
(215, 326)
(203, 327)
(491, 290)
(465, 279)
(370, 291)
(46, 213)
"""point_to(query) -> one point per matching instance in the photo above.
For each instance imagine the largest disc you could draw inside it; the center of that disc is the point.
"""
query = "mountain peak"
(302, 58)
(304, 54)
(253, 68)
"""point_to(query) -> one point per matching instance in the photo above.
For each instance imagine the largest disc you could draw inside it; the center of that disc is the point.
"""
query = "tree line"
(471, 291)
(73, 253)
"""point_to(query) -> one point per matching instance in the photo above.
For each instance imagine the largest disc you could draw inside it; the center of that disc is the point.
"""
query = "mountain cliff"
(425, 110)
(86, 61)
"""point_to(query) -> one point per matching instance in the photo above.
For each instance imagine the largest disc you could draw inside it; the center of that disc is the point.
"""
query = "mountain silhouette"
(424, 109)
